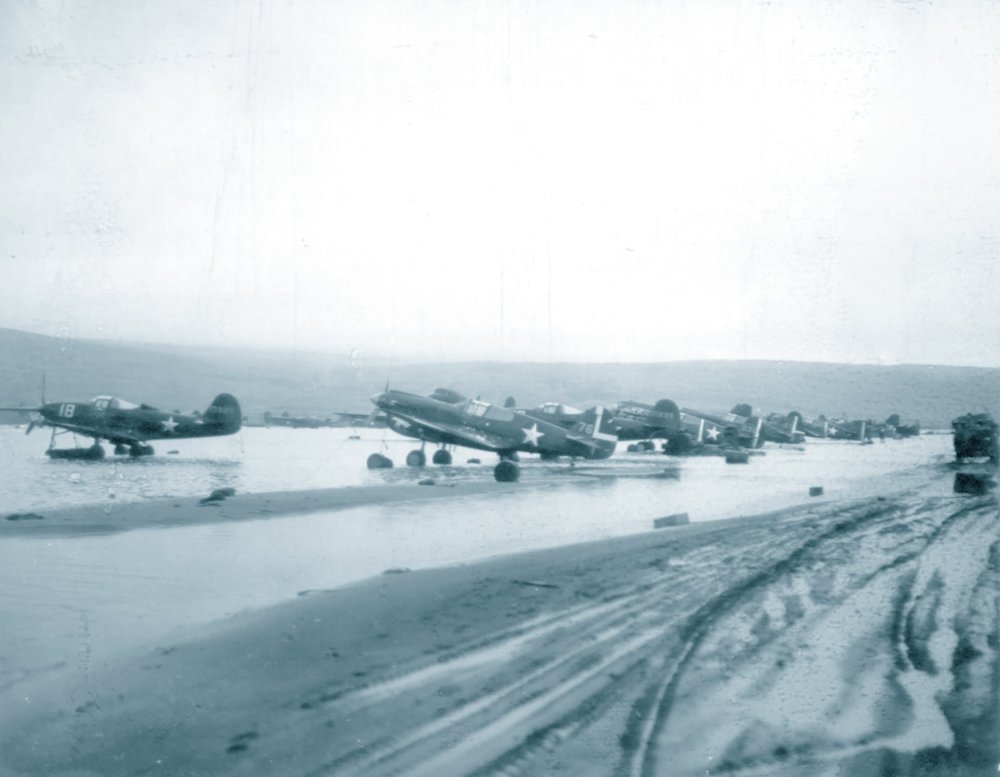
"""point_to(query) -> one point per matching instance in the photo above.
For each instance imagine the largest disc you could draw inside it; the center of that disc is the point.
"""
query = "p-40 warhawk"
(447, 418)
(728, 429)
(631, 420)
(129, 426)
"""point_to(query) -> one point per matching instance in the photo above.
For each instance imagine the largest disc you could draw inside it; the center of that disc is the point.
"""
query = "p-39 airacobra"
(446, 418)
(129, 426)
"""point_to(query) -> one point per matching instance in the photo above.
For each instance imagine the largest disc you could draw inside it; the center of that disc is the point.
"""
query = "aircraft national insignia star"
(712, 433)
(169, 425)
(531, 435)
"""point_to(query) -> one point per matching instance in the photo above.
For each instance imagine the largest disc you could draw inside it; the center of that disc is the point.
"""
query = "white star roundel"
(532, 434)
(169, 425)
(712, 433)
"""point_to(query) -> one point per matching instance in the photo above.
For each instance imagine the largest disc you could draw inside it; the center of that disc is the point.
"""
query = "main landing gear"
(134, 450)
(507, 471)
(92, 453)
(415, 458)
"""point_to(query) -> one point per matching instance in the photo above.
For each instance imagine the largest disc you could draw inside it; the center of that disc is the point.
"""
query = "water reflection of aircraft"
(447, 418)
(129, 426)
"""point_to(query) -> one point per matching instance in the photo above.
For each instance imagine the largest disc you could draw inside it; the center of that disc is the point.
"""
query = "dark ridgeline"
(303, 383)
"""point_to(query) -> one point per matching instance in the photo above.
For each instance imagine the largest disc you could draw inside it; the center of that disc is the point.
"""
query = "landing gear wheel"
(140, 450)
(677, 444)
(416, 459)
(441, 456)
(506, 471)
(509, 456)
(121, 450)
(546, 456)
(96, 451)
(378, 461)
(632, 448)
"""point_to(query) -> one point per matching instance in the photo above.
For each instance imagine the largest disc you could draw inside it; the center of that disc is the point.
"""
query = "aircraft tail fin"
(224, 414)
(665, 416)
(597, 426)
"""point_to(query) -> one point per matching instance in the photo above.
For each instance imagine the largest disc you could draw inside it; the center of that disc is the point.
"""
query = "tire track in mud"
(867, 549)
(610, 654)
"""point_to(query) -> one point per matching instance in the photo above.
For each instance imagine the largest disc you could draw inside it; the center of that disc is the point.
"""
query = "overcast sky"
(570, 180)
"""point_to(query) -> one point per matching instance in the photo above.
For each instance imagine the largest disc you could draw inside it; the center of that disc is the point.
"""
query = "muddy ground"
(854, 637)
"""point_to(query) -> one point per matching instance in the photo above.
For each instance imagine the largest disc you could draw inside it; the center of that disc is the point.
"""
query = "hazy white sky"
(560, 179)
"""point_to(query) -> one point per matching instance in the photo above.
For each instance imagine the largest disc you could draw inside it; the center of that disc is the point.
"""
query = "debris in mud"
(240, 742)
(737, 457)
(677, 519)
(396, 571)
(815, 490)
(218, 495)
(975, 436)
(426, 482)
(534, 583)
(24, 517)
(970, 483)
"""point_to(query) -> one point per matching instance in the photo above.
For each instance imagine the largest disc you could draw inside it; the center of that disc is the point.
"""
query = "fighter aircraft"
(129, 426)
(811, 427)
(445, 418)
(783, 428)
(722, 429)
(632, 420)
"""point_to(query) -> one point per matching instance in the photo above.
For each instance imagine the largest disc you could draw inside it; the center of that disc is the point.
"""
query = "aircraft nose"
(378, 399)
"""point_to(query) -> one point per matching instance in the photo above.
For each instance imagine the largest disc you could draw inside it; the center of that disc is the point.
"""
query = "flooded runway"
(88, 597)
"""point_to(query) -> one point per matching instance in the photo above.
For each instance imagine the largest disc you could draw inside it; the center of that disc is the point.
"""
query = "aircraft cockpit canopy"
(112, 403)
(557, 408)
(479, 409)
(447, 395)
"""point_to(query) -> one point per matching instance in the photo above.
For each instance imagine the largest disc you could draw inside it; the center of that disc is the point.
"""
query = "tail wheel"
(441, 456)
(506, 471)
(416, 459)
(378, 461)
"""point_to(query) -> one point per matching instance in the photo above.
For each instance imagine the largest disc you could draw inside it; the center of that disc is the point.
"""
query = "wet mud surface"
(854, 637)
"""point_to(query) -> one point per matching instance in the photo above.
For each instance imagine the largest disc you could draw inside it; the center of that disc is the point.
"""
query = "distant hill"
(173, 377)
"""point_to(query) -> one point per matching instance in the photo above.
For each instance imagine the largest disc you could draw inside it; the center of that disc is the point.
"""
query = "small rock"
(24, 517)
(677, 519)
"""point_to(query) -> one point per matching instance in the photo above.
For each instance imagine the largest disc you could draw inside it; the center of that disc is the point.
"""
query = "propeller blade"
(31, 425)
(43, 388)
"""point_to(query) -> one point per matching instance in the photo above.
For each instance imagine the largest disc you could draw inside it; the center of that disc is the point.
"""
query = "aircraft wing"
(97, 434)
(586, 442)
(475, 438)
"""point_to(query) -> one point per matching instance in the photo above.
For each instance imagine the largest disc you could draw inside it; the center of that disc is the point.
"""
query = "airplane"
(896, 428)
(841, 429)
(445, 417)
(811, 427)
(632, 421)
(728, 429)
(129, 426)
(293, 421)
(775, 428)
